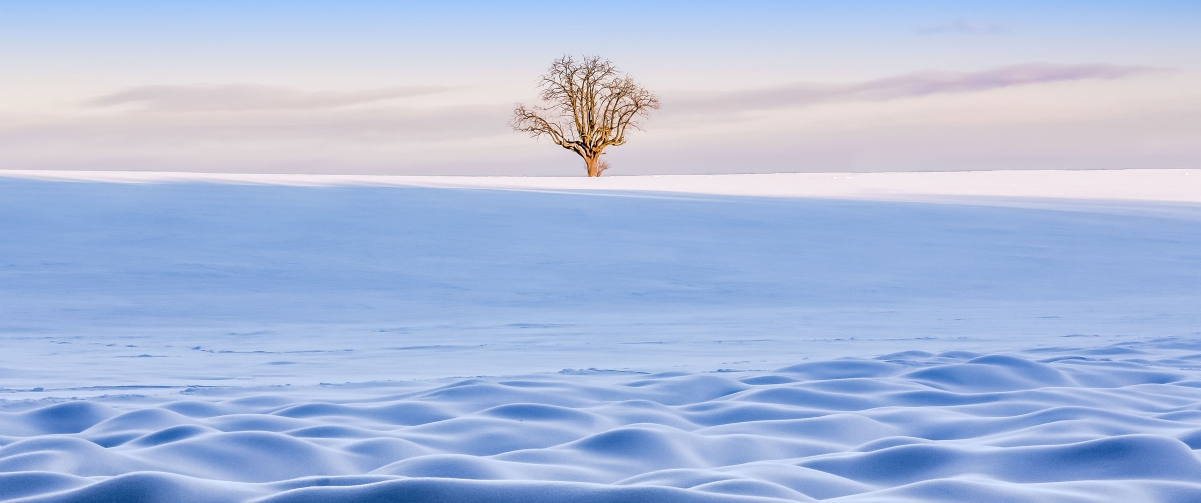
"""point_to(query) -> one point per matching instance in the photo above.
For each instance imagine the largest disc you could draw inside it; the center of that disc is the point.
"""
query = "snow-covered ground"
(1178, 185)
(989, 336)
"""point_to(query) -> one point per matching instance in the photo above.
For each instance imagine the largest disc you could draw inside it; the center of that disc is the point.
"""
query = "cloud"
(362, 139)
(962, 27)
(902, 86)
(245, 97)
(367, 125)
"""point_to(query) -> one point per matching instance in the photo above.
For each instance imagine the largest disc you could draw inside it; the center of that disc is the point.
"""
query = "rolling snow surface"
(276, 338)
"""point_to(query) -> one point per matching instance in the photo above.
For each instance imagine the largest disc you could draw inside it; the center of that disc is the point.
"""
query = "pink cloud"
(905, 86)
(242, 97)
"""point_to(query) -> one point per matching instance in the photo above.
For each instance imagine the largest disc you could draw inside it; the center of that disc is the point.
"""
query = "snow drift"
(914, 426)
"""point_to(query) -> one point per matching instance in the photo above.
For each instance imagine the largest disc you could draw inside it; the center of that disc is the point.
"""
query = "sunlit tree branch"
(587, 106)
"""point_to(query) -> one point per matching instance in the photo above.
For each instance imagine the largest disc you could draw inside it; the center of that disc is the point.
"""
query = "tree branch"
(589, 105)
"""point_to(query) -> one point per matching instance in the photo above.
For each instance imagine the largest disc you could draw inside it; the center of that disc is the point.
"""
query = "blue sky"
(390, 87)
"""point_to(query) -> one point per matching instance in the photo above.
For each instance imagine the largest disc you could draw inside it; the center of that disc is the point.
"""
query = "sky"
(747, 87)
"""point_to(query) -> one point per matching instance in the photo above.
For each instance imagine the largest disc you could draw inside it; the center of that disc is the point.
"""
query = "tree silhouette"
(588, 105)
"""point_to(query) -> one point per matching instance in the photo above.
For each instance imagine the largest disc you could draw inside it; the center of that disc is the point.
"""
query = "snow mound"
(1024, 426)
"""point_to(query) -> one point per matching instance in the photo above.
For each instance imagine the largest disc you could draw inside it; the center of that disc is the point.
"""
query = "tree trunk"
(592, 165)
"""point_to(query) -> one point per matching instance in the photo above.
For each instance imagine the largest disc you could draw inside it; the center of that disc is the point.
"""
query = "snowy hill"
(986, 336)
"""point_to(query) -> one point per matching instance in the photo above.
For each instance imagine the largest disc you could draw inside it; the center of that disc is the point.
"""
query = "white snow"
(1174, 185)
(986, 336)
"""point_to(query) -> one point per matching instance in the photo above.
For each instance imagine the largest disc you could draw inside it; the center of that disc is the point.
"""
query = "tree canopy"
(588, 105)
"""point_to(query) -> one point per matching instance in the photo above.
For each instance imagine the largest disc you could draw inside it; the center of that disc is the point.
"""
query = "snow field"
(208, 342)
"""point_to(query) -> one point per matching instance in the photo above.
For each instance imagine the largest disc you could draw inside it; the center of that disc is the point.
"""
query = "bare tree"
(589, 105)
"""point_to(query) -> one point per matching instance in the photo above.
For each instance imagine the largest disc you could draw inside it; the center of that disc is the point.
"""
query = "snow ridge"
(1120, 422)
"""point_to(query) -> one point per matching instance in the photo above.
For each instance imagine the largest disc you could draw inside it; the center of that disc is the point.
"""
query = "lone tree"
(589, 105)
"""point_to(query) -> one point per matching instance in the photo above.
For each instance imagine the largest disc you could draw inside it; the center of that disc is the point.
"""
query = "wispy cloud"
(370, 125)
(246, 97)
(903, 86)
(361, 139)
(962, 27)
